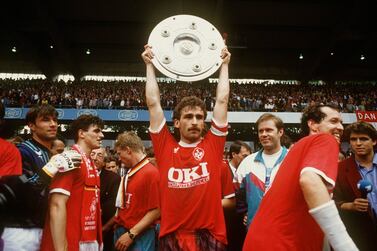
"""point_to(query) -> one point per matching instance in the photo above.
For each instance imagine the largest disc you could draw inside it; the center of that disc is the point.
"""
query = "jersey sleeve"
(217, 136)
(63, 182)
(160, 139)
(321, 157)
(10, 159)
(218, 130)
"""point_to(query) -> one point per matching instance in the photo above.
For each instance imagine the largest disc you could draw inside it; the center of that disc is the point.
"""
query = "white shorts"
(22, 239)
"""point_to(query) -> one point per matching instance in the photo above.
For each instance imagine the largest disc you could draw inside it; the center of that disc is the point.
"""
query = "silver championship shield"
(186, 48)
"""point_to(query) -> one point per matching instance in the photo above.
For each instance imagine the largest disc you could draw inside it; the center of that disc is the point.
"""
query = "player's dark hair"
(36, 111)
(361, 127)
(315, 113)
(236, 146)
(83, 122)
(190, 102)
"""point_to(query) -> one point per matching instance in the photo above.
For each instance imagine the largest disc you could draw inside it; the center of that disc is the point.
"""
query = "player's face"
(331, 124)
(112, 166)
(93, 137)
(58, 147)
(361, 144)
(125, 157)
(190, 124)
(269, 136)
(238, 157)
(98, 157)
(44, 128)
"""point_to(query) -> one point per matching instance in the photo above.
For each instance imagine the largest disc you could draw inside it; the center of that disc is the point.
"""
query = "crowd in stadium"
(244, 97)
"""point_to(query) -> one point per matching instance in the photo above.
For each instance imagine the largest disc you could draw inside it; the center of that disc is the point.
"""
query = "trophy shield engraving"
(186, 48)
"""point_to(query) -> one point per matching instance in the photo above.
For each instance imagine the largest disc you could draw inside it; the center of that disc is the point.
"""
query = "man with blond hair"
(138, 197)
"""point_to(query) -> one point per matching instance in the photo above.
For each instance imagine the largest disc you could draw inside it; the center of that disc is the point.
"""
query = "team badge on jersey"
(198, 153)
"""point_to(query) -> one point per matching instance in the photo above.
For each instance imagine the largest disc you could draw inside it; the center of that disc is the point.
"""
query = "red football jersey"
(283, 221)
(10, 159)
(72, 184)
(142, 195)
(190, 182)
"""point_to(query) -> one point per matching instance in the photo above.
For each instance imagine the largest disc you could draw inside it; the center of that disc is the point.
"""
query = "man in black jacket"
(109, 188)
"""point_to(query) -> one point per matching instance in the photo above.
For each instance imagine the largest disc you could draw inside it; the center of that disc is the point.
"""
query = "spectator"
(109, 187)
(244, 97)
(358, 210)
(256, 172)
(57, 146)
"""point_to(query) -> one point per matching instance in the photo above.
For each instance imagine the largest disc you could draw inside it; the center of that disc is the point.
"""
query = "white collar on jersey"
(183, 144)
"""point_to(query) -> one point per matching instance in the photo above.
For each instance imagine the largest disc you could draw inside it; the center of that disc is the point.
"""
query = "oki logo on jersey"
(198, 153)
(188, 177)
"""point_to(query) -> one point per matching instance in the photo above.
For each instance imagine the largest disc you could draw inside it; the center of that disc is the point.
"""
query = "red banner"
(367, 116)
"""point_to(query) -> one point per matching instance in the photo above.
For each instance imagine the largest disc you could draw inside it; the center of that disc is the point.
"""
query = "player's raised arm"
(152, 92)
(222, 92)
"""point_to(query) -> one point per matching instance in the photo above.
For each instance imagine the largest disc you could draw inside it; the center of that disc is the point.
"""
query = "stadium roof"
(266, 38)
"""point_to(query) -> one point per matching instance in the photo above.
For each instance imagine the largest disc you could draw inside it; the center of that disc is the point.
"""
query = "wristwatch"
(131, 235)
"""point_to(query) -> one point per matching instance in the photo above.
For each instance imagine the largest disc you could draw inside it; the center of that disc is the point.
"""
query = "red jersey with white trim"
(72, 184)
(283, 221)
(142, 195)
(190, 182)
(10, 159)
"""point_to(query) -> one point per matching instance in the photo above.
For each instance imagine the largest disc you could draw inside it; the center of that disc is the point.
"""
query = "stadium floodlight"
(64, 77)
(14, 49)
(88, 52)
(362, 57)
(18, 76)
